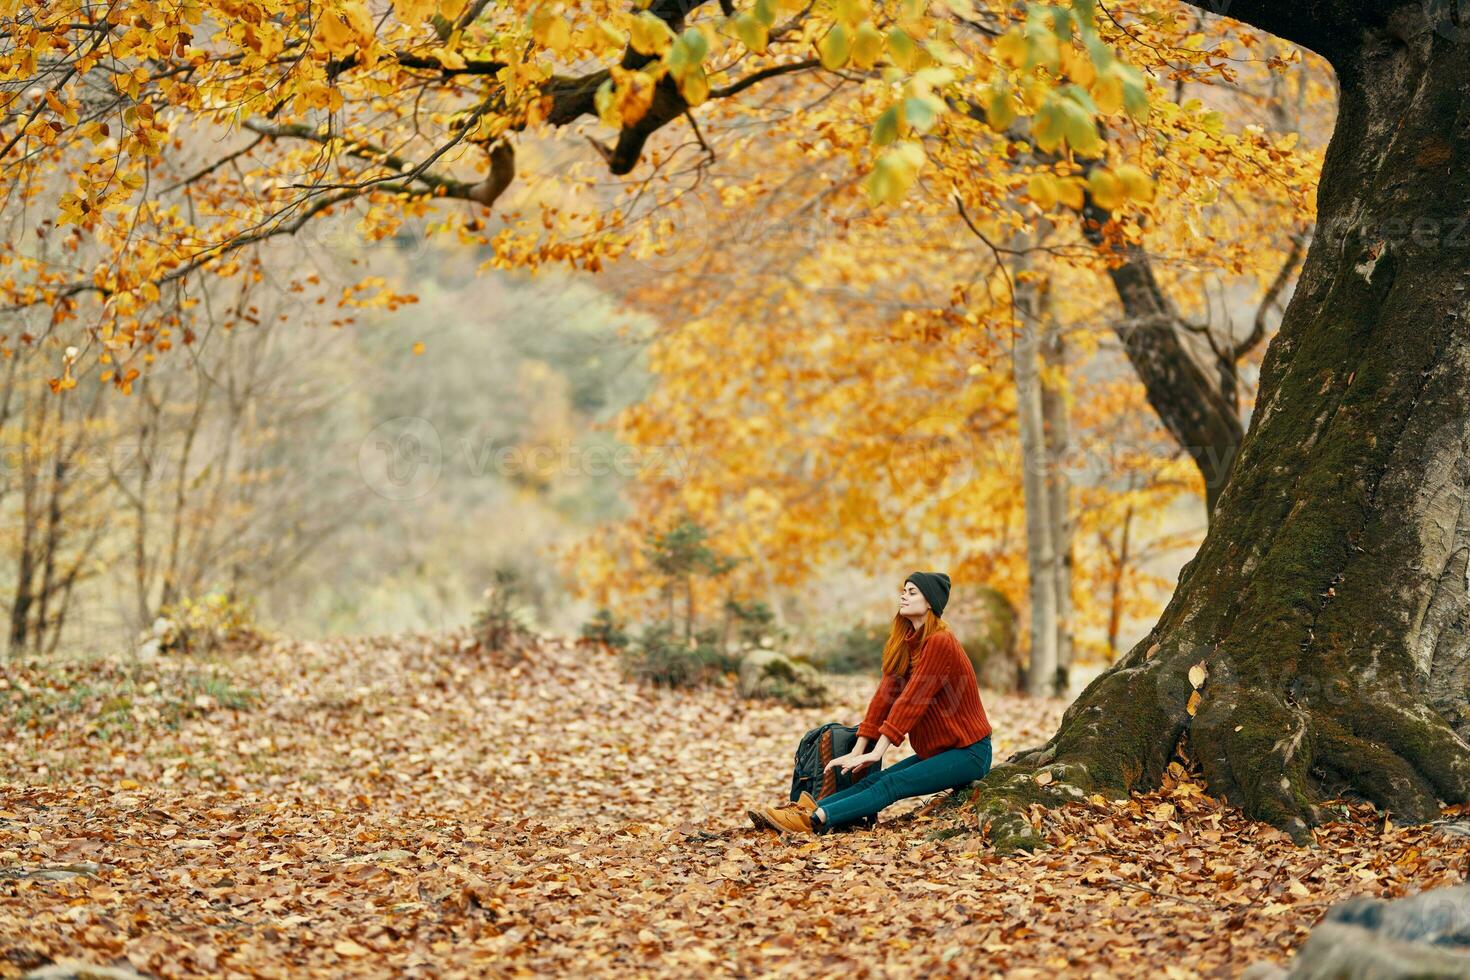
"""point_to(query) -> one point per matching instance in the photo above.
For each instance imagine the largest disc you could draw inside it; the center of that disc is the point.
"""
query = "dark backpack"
(817, 748)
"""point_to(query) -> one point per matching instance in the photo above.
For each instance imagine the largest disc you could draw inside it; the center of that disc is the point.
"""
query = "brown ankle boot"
(793, 816)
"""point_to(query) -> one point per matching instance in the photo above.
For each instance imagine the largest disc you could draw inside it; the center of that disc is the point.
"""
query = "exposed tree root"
(1257, 747)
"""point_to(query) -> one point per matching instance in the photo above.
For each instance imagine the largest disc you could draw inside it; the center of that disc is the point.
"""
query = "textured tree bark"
(1329, 599)
(1041, 553)
(1059, 498)
(1188, 398)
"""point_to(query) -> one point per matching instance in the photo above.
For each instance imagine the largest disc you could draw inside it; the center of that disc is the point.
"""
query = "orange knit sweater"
(936, 704)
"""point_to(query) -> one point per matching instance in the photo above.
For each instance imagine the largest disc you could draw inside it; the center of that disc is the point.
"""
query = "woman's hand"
(852, 761)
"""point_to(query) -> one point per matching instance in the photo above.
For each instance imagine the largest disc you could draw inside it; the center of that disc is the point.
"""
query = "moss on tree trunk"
(1329, 598)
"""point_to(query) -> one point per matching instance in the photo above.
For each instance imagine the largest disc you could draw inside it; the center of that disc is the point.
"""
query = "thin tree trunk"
(1115, 585)
(688, 610)
(34, 435)
(55, 524)
(173, 574)
(1059, 498)
(1041, 555)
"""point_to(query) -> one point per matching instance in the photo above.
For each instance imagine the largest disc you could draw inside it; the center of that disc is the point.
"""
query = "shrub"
(754, 623)
(203, 625)
(665, 660)
(604, 628)
(503, 621)
(854, 651)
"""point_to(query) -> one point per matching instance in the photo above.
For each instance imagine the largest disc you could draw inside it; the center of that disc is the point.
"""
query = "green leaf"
(895, 172)
(752, 32)
(867, 45)
(920, 112)
(886, 126)
(1062, 24)
(1081, 96)
(902, 48)
(935, 77)
(1078, 128)
(883, 185)
(1000, 111)
(1042, 49)
(1135, 98)
(695, 43)
(1036, 18)
(835, 47)
(1102, 56)
(765, 11)
(944, 53)
(687, 53)
(1046, 127)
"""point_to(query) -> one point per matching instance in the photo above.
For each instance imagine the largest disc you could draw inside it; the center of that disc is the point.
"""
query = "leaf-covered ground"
(415, 806)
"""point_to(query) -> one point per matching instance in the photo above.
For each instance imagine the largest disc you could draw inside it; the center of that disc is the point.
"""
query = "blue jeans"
(913, 776)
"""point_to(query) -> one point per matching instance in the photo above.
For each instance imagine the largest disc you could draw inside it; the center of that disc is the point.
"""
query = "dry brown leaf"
(450, 812)
(1197, 675)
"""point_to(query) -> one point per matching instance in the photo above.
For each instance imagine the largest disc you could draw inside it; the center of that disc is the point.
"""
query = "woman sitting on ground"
(928, 693)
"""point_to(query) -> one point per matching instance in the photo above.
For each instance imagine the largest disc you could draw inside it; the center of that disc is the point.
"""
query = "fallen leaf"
(346, 947)
(1197, 675)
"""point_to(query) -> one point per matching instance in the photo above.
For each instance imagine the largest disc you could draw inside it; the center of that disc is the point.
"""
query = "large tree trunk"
(1328, 601)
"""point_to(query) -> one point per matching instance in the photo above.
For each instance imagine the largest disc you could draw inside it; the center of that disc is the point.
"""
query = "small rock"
(1419, 936)
(1439, 915)
(1334, 951)
(767, 674)
(388, 857)
(81, 970)
(60, 872)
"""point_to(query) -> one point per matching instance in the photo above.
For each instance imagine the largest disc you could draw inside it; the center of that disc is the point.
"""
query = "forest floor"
(414, 806)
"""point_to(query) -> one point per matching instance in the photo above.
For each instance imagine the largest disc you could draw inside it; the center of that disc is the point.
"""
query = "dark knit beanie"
(934, 586)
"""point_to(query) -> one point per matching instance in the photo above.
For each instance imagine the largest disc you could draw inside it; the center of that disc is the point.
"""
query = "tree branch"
(1332, 28)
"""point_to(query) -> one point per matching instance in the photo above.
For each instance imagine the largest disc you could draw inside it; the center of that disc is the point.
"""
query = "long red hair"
(904, 640)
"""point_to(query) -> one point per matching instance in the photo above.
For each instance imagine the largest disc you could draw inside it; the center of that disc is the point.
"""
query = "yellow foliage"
(835, 47)
(632, 95)
(1106, 189)
(345, 27)
(867, 45)
(650, 35)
